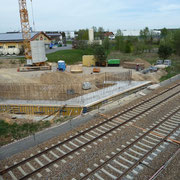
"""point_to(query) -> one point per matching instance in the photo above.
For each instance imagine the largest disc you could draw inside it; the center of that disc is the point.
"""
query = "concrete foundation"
(76, 105)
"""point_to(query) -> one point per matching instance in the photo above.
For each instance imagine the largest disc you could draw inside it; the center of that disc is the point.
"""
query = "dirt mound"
(67, 78)
(146, 64)
(10, 75)
(153, 77)
(57, 78)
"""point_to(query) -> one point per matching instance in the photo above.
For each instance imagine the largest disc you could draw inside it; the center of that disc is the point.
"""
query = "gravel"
(86, 159)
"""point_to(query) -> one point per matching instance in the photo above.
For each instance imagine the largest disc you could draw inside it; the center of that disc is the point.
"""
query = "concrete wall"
(168, 81)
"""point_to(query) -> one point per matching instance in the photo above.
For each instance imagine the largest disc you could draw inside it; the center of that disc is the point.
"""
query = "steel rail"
(160, 170)
(127, 147)
(147, 154)
(84, 132)
(91, 141)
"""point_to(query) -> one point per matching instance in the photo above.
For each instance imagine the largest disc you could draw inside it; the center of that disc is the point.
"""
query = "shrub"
(165, 51)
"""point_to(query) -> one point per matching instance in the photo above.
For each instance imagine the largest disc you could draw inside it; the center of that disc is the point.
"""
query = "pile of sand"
(10, 75)
(153, 77)
(146, 64)
(67, 78)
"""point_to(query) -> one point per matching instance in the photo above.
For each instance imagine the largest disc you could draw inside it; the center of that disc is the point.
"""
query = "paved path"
(40, 137)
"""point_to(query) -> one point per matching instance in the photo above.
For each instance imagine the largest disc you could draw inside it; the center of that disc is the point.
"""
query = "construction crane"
(26, 34)
(25, 27)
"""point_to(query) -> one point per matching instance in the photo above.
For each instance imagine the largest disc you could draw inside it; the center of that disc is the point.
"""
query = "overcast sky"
(77, 14)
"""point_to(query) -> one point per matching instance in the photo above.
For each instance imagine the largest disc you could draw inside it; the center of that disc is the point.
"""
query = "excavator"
(26, 34)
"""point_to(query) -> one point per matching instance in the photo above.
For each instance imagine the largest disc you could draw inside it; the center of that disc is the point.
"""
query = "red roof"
(107, 34)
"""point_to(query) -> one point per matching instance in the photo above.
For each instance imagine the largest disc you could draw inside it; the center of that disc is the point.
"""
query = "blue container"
(61, 66)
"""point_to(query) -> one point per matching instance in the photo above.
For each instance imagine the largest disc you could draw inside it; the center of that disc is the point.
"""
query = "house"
(110, 35)
(15, 39)
(54, 35)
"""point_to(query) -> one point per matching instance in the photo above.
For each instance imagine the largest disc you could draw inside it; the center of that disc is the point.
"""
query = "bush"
(100, 53)
(176, 42)
(127, 48)
(165, 51)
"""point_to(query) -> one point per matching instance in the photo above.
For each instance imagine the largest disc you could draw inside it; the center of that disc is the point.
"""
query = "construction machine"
(26, 34)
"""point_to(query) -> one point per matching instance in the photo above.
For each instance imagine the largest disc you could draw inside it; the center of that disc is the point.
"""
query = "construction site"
(36, 89)
(100, 116)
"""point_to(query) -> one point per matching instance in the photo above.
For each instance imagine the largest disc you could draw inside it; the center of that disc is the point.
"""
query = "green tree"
(83, 34)
(99, 53)
(145, 34)
(127, 48)
(164, 51)
(164, 32)
(176, 42)
(101, 33)
(106, 44)
(119, 41)
(139, 47)
(94, 28)
(119, 33)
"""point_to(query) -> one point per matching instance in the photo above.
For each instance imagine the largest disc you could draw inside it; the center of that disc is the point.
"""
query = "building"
(110, 35)
(54, 35)
(15, 40)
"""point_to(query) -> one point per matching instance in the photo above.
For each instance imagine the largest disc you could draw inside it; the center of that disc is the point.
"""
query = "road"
(69, 46)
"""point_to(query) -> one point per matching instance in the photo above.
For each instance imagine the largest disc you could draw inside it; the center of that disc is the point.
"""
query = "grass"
(68, 42)
(151, 58)
(70, 56)
(174, 69)
(18, 131)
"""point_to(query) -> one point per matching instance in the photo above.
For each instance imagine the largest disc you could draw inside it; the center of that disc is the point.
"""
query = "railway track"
(33, 165)
(136, 154)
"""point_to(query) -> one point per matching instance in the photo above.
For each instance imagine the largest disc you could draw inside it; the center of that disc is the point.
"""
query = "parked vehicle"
(159, 62)
(150, 69)
(167, 62)
(153, 69)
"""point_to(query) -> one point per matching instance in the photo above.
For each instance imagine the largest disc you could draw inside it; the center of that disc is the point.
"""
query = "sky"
(70, 15)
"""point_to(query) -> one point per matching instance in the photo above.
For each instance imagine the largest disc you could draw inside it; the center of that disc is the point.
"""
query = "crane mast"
(25, 27)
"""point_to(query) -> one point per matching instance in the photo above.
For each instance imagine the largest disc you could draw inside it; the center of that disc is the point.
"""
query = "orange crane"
(25, 27)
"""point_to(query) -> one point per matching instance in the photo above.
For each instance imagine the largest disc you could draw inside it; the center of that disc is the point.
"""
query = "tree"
(139, 47)
(119, 39)
(119, 33)
(106, 44)
(176, 42)
(164, 32)
(99, 53)
(164, 51)
(127, 48)
(145, 34)
(94, 28)
(83, 34)
(68, 35)
(101, 33)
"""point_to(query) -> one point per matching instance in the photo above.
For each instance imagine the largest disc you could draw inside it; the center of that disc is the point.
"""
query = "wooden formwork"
(41, 110)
